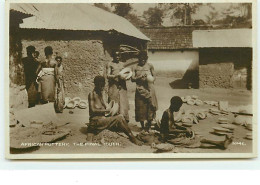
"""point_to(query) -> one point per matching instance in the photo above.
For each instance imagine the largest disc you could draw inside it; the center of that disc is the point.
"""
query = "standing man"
(30, 66)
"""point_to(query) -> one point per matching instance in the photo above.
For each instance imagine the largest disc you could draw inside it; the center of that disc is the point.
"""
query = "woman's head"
(143, 57)
(58, 59)
(48, 51)
(116, 56)
(30, 50)
(36, 54)
(99, 82)
(176, 103)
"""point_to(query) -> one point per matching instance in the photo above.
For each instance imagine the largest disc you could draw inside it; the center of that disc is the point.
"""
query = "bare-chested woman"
(117, 90)
(145, 98)
(97, 110)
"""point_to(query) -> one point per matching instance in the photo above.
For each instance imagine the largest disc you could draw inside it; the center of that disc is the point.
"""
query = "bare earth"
(79, 118)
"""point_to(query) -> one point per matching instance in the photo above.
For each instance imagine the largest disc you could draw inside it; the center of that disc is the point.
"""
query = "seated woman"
(178, 135)
(97, 110)
(46, 78)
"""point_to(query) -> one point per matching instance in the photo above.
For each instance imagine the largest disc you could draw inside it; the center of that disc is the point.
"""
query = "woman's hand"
(107, 110)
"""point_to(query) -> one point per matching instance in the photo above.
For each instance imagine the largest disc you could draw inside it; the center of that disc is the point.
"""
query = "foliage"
(153, 16)
(102, 6)
(181, 11)
(122, 9)
(135, 20)
(199, 22)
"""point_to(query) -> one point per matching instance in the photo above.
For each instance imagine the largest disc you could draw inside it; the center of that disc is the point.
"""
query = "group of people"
(145, 106)
(43, 80)
(145, 98)
(44, 83)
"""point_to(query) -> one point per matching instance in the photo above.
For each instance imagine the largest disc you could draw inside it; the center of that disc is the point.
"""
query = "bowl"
(126, 73)
(77, 100)
(83, 104)
(150, 78)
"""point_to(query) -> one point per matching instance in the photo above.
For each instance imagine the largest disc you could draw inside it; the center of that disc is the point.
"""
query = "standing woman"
(46, 78)
(145, 98)
(59, 90)
(117, 90)
(30, 67)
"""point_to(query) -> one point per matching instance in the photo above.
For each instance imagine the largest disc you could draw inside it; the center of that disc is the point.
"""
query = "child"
(182, 136)
(59, 87)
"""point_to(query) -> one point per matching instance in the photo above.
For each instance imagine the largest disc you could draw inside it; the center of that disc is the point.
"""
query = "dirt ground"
(78, 119)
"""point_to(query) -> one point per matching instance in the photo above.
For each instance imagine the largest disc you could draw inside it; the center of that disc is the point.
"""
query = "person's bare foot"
(89, 137)
(136, 141)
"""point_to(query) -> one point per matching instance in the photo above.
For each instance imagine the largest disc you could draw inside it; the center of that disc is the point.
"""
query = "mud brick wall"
(217, 66)
(215, 75)
(15, 47)
(85, 54)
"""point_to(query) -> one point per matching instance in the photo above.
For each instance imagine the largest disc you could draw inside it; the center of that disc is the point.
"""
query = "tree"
(154, 16)
(181, 11)
(199, 22)
(122, 9)
(102, 6)
(135, 20)
(211, 17)
(236, 16)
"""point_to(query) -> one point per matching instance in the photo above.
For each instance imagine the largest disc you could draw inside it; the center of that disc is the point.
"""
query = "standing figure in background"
(46, 77)
(117, 85)
(145, 98)
(30, 67)
(59, 90)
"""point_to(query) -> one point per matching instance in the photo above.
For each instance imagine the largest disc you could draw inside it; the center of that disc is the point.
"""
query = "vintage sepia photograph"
(131, 80)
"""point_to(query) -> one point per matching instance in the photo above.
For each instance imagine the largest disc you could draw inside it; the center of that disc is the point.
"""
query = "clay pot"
(187, 124)
(198, 102)
(183, 99)
(77, 100)
(83, 104)
(191, 102)
(249, 136)
(221, 129)
(67, 99)
(187, 119)
(150, 78)
(126, 73)
(223, 121)
(114, 108)
(201, 115)
(228, 126)
(71, 104)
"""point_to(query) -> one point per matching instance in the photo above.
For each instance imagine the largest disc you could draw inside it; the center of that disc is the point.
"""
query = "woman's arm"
(152, 71)
(38, 69)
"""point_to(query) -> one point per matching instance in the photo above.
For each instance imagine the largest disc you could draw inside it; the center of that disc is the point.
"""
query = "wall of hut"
(225, 68)
(17, 93)
(174, 63)
(85, 54)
